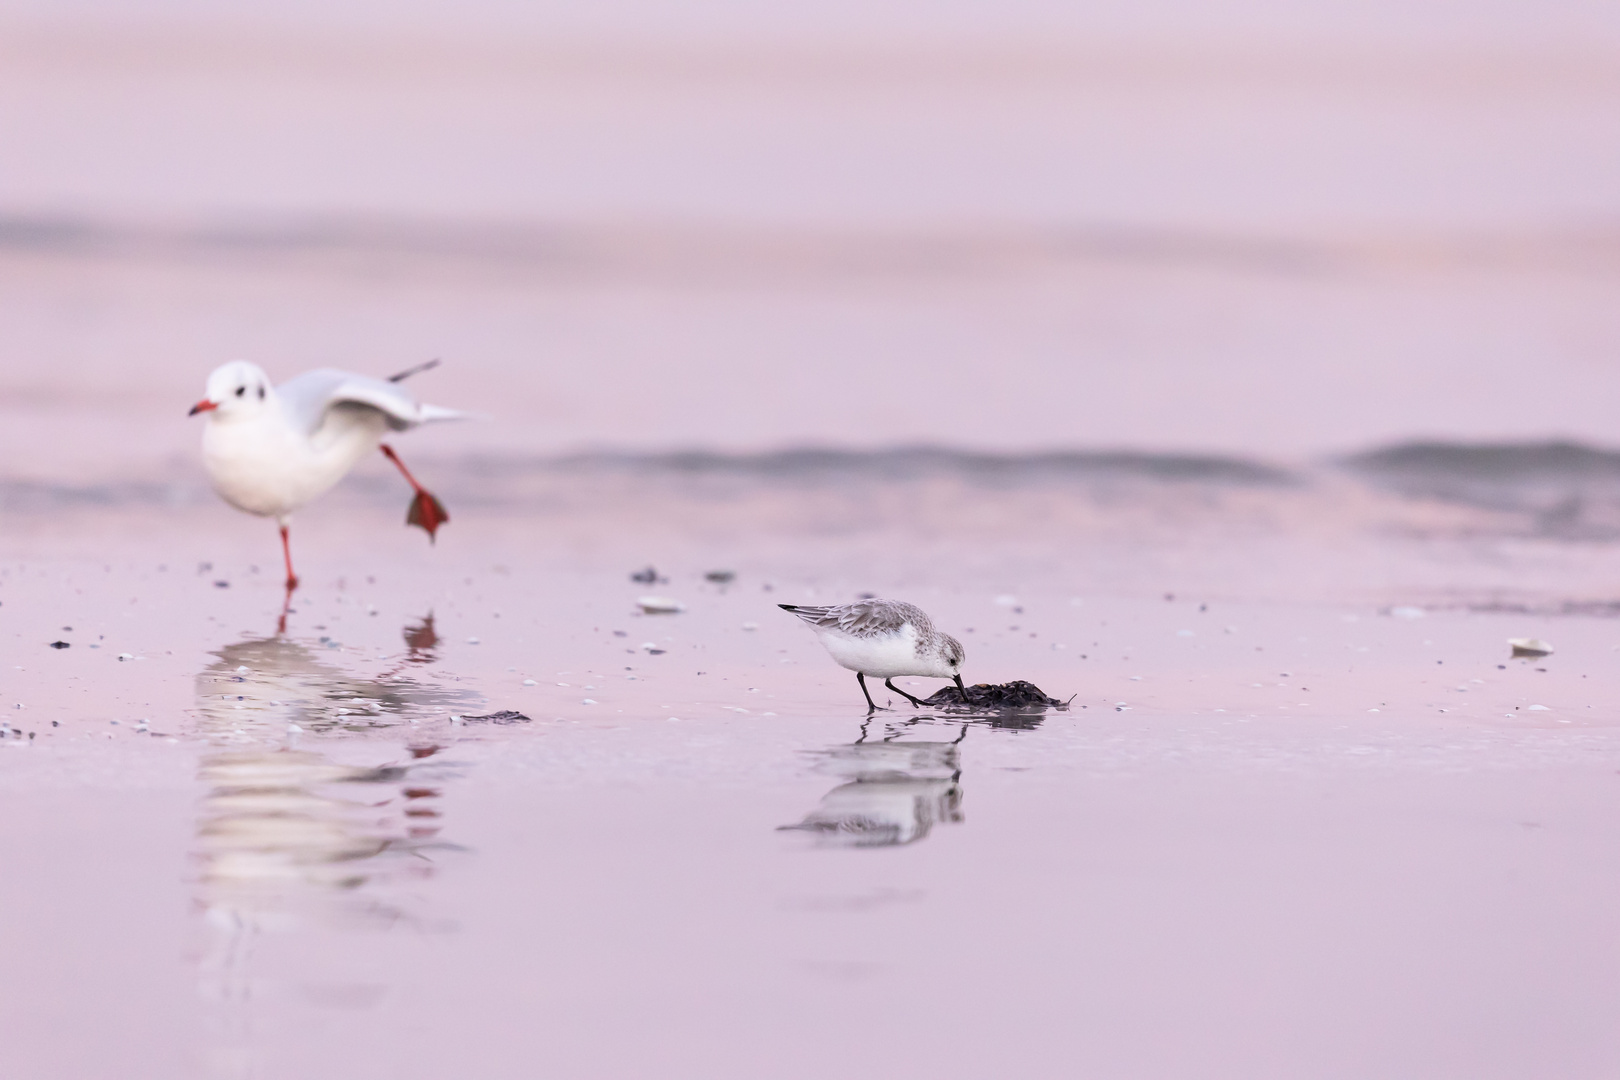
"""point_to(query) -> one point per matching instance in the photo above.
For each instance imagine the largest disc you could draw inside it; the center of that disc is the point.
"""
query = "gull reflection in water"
(267, 687)
(289, 837)
(895, 792)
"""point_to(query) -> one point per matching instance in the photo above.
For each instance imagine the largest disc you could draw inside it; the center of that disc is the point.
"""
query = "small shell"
(1529, 646)
(659, 605)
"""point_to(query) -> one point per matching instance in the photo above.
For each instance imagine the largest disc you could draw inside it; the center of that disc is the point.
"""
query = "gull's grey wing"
(308, 397)
(865, 618)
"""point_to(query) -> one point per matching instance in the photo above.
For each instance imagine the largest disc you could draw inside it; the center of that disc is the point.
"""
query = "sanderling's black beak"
(960, 687)
(202, 406)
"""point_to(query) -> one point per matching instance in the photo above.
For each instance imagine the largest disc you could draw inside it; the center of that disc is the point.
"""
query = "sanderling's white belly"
(881, 657)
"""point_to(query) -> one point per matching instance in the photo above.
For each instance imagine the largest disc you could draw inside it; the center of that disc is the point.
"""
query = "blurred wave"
(711, 252)
(1559, 489)
(1562, 488)
(506, 480)
(573, 250)
(909, 463)
(22, 496)
(1492, 461)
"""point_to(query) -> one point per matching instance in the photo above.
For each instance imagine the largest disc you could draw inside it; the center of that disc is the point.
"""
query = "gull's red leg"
(292, 582)
(426, 511)
(286, 553)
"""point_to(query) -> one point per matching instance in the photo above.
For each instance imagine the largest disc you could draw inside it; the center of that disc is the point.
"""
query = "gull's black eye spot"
(261, 393)
(240, 390)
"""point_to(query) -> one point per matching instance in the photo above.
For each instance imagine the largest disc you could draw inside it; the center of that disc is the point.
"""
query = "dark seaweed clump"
(1017, 694)
(505, 716)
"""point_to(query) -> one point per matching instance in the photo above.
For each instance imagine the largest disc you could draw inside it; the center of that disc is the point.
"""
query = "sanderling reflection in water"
(895, 792)
(883, 639)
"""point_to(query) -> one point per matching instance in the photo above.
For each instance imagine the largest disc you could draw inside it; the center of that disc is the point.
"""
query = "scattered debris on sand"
(648, 576)
(721, 577)
(1529, 646)
(1017, 694)
(505, 716)
(59, 645)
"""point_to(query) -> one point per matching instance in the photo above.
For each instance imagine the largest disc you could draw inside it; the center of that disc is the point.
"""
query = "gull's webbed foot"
(427, 512)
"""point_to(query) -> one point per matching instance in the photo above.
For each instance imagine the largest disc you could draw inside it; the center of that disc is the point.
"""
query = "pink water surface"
(1270, 836)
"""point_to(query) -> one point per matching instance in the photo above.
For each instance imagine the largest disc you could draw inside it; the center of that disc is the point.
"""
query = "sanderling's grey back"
(884, 638)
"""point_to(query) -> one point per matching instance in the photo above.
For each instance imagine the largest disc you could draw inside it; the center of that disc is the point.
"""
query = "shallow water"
(1324, 831)
(1235, 229)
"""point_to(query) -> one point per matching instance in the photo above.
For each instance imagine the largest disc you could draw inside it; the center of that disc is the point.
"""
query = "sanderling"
(885, 638)
(270, 450)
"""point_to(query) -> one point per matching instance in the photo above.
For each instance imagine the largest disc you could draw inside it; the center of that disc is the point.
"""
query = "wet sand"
(1318, 832)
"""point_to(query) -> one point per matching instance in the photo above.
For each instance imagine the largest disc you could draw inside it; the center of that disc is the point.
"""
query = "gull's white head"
(236, 389)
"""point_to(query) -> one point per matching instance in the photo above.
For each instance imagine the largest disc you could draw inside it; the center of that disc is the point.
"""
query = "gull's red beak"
(202, 406)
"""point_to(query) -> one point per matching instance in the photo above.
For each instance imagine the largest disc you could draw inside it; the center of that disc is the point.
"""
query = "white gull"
(271, 449)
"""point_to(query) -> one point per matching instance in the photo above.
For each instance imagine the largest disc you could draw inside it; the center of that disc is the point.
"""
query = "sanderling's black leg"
(916, 703)
(871, 706)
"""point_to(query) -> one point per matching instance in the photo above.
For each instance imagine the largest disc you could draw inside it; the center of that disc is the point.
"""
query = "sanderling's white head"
(238, 389)
(951, 655)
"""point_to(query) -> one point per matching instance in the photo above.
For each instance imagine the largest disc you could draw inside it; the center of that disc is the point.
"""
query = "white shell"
(1529, 646)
